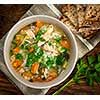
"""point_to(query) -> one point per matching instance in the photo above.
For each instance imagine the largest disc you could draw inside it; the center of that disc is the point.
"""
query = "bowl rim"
(5, 52)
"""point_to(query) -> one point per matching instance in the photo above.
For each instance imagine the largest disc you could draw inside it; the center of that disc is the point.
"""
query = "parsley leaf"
(19, 56)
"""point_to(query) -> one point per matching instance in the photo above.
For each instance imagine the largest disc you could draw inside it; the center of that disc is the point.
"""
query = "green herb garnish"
(60, 60)
(39, 53)
(25, 46)
(39, 33)
(35, 47)
(88, 70)
(49, 43)
(30, 60)
(10, 52)
(34, 56)
(14, 44)
(97, 67)
(51, 62)
(19, 56)
(63, 49)
(57, 39)
(98, 58)
(91, 59)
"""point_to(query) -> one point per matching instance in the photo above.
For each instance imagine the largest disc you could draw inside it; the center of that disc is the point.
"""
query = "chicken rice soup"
(39, 52)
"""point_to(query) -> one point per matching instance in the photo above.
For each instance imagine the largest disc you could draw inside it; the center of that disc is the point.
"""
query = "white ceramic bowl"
(73, 50)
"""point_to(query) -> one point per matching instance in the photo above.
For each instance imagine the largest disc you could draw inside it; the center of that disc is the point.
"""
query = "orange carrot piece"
(16, 50)
(34, 68)
(31, 50)
(39, 24)
(36, 30)
(64, 44)
(16, 63)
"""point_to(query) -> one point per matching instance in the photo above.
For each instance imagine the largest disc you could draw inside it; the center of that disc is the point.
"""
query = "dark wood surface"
(6, 87)
(9, 15)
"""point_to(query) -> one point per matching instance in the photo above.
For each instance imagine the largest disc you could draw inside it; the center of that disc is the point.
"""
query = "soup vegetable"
(39, 52)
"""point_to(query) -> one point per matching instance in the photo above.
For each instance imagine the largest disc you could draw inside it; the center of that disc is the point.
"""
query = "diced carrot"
(16, 63)
(31, 50)
(36, 30)
(64, 44)
(39, 24)
(34, 68)
(16, 50)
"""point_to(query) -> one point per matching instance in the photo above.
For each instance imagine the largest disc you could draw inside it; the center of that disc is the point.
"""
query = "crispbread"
(87, 32)
(86, 20)
(68, 23)
(81, 13)
(71, 12)
(93, 12)
(93, 25)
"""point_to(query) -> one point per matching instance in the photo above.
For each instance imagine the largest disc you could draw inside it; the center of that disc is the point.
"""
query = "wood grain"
(9, 15)
(6, 87)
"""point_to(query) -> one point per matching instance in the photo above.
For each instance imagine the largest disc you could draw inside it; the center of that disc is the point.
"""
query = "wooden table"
(9, 15)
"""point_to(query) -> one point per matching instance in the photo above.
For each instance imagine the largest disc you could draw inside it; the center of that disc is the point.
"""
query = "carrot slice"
(64, 44)
(39, 24)
(31, 50)
(34, 68)
(16, 63)
(16, 50)
(36, 30)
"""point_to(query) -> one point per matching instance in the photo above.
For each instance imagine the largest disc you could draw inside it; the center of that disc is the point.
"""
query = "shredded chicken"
(48, 34)
(40, 43)
(30, 33)
(51, 49)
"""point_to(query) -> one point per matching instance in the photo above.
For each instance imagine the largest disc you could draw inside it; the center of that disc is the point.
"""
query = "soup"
(39, 52)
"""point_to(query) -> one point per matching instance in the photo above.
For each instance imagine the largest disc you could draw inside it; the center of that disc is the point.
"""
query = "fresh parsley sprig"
(88, 70)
